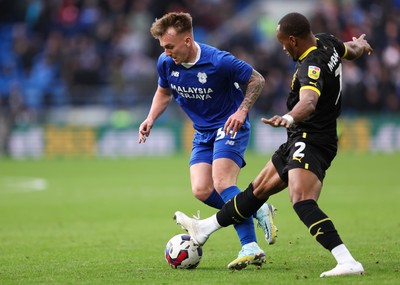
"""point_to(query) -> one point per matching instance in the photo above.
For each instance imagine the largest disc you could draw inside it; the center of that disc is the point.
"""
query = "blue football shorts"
(211, 145)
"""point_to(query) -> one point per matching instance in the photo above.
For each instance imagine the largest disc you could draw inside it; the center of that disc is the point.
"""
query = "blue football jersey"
(207, 91)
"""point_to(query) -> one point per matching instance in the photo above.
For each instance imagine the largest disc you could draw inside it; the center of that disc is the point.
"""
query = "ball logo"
(202, 77)
(182, 253)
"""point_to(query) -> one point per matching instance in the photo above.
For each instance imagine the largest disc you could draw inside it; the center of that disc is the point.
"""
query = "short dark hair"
(294, 24)
(181, 22)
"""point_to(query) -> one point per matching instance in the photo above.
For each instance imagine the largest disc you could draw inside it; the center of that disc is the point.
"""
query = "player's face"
(288, 43)
(176, 46)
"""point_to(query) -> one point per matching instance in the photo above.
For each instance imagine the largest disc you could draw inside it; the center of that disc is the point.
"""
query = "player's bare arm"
(357, 47)
(253, 91)
(161, 99)
(303, 109)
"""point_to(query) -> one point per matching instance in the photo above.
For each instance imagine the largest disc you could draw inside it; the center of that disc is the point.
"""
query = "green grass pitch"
(103, 221)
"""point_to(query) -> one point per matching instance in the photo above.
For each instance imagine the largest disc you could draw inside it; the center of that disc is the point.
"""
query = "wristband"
(288, 118)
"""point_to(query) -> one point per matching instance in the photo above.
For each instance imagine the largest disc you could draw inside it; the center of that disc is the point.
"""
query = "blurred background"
(77, 76)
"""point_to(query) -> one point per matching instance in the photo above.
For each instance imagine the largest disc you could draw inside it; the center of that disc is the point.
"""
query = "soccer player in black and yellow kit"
(300, 163)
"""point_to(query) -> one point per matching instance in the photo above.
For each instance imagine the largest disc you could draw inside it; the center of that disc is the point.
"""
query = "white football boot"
(265, 220)
(191, 225)
(250, 253)
(351, 268)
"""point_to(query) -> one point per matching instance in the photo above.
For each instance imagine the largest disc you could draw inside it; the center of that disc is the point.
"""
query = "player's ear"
(293, 40)
(188, 41)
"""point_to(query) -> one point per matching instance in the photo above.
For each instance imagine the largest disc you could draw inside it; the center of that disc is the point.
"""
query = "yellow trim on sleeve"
(345, 51)
(311, 88)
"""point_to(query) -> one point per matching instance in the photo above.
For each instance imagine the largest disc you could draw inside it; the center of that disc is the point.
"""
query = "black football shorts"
(313, 152)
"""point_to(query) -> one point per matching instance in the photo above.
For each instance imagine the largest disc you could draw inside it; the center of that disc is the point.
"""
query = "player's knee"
(201, 193)
(220, 184)
(301, 195)
(295, 197)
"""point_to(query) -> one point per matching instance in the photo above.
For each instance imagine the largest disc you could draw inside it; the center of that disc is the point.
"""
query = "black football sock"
(319, 225)
(239, 208)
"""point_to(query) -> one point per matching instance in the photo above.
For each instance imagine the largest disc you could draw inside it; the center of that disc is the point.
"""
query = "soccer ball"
(182, 253)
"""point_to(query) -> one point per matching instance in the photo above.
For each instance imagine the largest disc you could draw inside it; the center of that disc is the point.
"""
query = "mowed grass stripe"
(107, 222)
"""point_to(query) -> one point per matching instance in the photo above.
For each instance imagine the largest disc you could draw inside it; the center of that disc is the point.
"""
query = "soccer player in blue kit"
(205, 81)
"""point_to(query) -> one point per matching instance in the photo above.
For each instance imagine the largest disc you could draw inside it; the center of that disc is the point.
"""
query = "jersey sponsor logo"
(175, 73)
(202, 77)
(333, 60)
(193, 92)
(314, 72)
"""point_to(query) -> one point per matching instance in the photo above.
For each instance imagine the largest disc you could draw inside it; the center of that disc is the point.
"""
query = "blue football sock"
(214, 200)
(245, 229)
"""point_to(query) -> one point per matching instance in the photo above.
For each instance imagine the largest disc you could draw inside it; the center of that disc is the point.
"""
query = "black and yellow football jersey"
(319, 69)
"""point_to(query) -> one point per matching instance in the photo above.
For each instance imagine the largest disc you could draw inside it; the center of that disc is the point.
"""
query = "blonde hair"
(181, 22)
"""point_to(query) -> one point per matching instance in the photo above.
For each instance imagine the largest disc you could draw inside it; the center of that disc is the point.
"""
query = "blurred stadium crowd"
(84, 52)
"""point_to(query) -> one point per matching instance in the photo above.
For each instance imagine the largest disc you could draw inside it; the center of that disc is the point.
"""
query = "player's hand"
(362, 42)
(276, 121)
(144, 130)
(235, 122)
